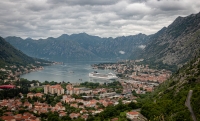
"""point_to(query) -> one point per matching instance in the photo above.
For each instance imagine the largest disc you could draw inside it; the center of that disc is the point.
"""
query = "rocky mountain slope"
(79, 46)
(11, 56)
(8, 54)
(175, 44)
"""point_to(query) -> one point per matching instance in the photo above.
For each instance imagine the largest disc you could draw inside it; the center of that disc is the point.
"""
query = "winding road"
(188, 104)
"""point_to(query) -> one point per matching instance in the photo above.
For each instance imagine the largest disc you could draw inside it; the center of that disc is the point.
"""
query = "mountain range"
(80, 47)
(173, 45)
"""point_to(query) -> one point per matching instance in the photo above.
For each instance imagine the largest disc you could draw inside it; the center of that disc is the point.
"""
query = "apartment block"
(54, 89)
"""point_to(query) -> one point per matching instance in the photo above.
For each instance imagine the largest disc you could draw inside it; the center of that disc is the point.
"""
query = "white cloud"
(104, 18)
(142, 46)
(121, 52)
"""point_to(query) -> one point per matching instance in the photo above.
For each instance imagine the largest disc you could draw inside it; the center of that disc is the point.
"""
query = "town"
(136, 77)
(81, 101)
(11, 73)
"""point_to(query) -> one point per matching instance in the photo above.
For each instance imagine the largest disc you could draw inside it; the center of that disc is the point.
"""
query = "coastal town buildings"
(20, 117)
(31, 95)
(70, 90)
(54, 89)
(91, 101)
(136, 77)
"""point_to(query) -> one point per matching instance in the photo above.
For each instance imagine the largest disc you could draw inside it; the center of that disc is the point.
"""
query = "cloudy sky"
(104, 18)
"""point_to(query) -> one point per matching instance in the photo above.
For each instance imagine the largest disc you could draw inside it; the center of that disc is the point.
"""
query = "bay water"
(74, 72)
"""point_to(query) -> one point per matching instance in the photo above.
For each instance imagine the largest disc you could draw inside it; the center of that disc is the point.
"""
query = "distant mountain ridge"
(79, 46)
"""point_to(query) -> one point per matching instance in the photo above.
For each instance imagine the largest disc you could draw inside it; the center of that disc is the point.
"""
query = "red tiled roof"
(133, 113)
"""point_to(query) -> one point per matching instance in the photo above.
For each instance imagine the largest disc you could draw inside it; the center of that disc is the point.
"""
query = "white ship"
(108, 76)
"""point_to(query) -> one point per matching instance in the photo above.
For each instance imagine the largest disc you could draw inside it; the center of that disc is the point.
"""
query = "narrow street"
(188, 104)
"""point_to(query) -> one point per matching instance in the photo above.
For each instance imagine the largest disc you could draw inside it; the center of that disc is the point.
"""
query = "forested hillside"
(168, 100)
(11, 56)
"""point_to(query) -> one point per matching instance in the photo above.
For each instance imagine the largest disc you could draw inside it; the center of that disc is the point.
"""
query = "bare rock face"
(177, 43)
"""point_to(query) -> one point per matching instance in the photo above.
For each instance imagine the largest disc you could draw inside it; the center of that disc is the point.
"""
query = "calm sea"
(73, 72)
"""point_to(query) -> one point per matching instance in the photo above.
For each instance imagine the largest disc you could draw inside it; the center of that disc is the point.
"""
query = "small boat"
(71, 72)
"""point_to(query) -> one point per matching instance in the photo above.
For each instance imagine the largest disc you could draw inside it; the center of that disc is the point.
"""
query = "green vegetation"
(118, 111)
(11, 93)
(113, 86)
(50, 83)
(195, 102)
(37, 89)
(159, 65)
(167, 102)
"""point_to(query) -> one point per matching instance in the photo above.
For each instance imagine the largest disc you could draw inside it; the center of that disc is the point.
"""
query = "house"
(74, 105)
(74, 115)
(84, 116)
(8, 118)
(83, 111)
(62, 113)
(30, 95)
(132, 115)
(28, 105)
(114, 119)
(76, 91)
(8, 113)
(38, 95)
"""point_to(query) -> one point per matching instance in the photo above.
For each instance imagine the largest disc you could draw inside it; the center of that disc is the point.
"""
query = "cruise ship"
(108, 76)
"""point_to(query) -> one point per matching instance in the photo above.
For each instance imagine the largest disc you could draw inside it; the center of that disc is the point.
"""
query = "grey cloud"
(105, 18)
(84, 2)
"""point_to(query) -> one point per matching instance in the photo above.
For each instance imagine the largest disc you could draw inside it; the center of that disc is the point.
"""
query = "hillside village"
(132, 70)
(136, 77)
(78, 100)
(92, 102)
(11, 73)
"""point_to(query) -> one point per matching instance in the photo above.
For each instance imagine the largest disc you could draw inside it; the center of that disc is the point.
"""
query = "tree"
(65, 118)
(132, 105)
